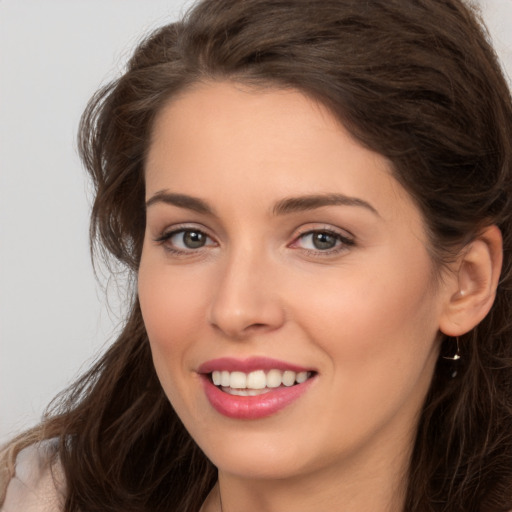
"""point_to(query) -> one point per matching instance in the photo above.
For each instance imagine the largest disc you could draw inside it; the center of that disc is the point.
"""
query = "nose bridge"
(245, 300)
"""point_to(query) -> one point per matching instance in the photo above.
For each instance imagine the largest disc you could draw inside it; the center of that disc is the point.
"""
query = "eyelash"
(342, 242)
(165, 238)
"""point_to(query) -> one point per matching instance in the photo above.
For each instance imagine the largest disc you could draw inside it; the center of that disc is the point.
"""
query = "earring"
(457, 355)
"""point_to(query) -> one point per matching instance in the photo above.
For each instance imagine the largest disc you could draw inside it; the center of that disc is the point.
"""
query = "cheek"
(379, 334)
(171, 303)
(380, 318)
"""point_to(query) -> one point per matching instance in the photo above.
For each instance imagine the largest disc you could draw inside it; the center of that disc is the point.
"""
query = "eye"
(185, 240)
(322, 240)
(319, 240)
(188, 239)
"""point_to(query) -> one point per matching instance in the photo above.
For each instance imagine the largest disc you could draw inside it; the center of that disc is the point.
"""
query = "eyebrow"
(180, 200)
(311, 202)
(282, 207)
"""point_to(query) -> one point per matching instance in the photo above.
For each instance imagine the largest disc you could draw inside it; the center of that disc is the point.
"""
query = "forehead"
(277, 142)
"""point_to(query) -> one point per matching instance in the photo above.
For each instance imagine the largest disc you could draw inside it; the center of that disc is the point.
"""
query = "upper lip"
(250, 364)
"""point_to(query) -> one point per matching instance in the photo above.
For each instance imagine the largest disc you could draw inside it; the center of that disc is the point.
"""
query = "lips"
(248, 365)
(253, 388)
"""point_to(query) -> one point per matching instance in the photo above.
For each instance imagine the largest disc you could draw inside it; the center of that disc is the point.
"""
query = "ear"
(472, 288)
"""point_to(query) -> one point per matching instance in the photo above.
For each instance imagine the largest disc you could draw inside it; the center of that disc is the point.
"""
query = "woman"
(315, 202)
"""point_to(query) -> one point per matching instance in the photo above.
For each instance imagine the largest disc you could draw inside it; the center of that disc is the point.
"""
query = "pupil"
(324, 241)
(194, 239)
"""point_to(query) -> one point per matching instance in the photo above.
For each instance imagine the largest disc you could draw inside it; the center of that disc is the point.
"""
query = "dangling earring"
(457, 355)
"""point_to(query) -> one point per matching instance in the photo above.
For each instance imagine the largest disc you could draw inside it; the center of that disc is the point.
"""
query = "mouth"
(257, 382)
(253, 388)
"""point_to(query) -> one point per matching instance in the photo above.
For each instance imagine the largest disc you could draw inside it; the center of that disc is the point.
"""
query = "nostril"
(256, 326)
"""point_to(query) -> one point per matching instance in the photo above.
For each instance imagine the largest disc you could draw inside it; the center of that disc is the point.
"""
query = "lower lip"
(253, 407)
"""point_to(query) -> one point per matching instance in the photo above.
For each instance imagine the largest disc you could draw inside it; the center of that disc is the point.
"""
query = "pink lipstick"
(253, 388)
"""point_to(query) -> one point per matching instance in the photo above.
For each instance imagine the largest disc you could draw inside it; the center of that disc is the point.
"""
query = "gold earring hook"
(457, 355)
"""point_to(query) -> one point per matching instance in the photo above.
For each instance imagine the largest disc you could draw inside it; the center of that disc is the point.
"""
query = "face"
(285, 285)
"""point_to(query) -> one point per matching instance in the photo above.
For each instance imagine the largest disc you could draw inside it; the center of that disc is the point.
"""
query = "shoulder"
(38, 483)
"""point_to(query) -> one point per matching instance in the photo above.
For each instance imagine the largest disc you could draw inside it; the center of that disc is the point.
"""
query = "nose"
(246, 301)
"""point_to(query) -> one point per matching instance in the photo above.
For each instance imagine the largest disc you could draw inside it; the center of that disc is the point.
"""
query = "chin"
(258, 457)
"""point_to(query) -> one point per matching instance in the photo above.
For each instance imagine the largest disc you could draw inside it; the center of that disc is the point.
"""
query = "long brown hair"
(416, 81)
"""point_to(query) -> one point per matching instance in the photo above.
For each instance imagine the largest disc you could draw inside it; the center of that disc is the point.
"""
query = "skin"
(365, 315)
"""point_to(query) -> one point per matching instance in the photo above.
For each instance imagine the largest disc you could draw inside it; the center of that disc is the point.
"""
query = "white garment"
(38, 485)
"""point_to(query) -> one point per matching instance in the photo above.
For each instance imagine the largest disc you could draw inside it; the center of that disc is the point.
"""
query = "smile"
(256, 382)
(254, 388)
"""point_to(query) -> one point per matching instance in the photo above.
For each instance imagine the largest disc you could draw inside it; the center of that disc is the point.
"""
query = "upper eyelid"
(344, 233)
(176, 228)
(327, 231)
(169, 234)
(301, 231)
(341, 238)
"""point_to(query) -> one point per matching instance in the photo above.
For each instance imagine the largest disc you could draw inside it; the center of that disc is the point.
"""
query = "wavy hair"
(414, 80)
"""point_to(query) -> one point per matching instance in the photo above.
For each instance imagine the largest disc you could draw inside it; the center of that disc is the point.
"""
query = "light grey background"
(53, 55)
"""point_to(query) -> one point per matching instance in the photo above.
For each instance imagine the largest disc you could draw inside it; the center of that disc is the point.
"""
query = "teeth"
(244, 392)
(301, 377)
(288, 378)
(257, 380)
(274, 378)
(238, 380)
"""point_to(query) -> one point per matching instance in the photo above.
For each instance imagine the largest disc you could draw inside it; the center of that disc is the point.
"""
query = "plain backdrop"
(54, 315)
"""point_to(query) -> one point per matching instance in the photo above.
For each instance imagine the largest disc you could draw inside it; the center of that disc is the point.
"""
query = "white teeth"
(257, 380)
(238, 380)
(301, 377)
(289, 378)
(245, 392)
(217, 377)
(274, 379)
(224, 379)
